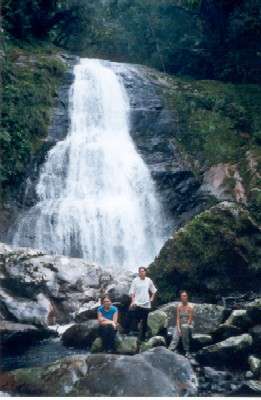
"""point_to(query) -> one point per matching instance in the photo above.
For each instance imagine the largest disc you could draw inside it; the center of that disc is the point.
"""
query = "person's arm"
(132, 294)
(102, 320)
(153, 291)
(115, 319)
(190, 320)
(178, 321)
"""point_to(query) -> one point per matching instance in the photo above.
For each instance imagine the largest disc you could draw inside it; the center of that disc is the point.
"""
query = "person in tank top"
(184, 324)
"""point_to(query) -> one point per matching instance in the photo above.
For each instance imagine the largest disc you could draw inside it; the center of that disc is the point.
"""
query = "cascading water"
(96, 196)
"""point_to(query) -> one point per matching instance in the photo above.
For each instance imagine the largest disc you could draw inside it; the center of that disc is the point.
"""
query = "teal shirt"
(108, 314)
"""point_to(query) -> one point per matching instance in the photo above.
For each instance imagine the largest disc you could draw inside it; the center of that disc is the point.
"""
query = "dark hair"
(183, 291)
(105, 297)
(145, 269)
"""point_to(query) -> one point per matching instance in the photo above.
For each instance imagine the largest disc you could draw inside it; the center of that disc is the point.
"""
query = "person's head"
(183, 296)
(106, 301)
(142, 272)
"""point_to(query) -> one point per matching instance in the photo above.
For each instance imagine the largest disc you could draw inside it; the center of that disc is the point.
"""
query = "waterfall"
(96, 198)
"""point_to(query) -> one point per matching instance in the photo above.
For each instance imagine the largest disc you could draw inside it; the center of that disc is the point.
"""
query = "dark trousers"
(136, 315)
(107, 334)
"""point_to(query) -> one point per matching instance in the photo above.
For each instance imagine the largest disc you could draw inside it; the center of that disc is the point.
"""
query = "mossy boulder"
(155, 341)
(217, 252)
(157, 321)
(124, 345)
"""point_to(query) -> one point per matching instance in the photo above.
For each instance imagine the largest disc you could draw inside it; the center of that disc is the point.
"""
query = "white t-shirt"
(140, 288)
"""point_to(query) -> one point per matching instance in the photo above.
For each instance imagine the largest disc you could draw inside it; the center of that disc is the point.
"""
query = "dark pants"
(107, 334)
(136, 315)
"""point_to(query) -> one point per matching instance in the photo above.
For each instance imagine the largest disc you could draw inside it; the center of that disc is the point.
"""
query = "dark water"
(37, 355)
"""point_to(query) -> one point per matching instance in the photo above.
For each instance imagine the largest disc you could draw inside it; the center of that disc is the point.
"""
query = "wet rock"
(229, 352)
(124, 345)
(81, 335)
(157, 321)
(157, 372)
(200, 340)
(248, 388)
(207, 317)
(33, 284)
(15, 337)
(256, 335)
(213, 374)
(254, 311)
(255, 366)
(225, 331)
(87, 311)
(155, 341)
(249, 375)
(240, 319)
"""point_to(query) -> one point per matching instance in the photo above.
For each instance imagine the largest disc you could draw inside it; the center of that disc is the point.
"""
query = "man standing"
(142, 292)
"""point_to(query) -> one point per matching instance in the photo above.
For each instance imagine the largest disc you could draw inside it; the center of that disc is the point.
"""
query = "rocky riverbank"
(40, 293)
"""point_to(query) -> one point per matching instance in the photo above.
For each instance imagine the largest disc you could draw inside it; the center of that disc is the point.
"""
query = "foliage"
(30, 81)
(216, 122)
(215, 253)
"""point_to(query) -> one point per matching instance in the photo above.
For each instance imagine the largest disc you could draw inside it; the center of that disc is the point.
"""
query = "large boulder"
(224, 331)
(256, 335)
(254, 311)
(250, 388)
(81, 335)
(240, 319)
(34, 285)
(15, 337)
(207, 317)
(157, 321)
(255, 366)
(213, 255)
(158, 372)
(230, 352)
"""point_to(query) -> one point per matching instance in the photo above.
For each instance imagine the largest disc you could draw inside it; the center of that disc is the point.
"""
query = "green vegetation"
(217, 252)
(217, 122)
(30, 79)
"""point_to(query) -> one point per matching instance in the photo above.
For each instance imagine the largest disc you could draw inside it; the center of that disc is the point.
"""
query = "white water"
(96, 196)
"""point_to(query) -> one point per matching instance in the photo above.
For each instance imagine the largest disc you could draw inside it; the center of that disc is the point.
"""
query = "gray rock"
(248, 388)
(124, 344)
(229, 352)
(225, 331)
(240, 319)
(157, 321)
(214, 375)
(256, 335)
(81, 335)
(254, 311)
(87, 311)
(200, 340)
(15, 337)
(207, 317)
(155, 341)
(255, 366)
(32, 284)
(157, 372)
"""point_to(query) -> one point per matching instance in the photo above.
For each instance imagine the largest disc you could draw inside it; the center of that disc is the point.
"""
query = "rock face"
(230, 352)
(157, 372)
(124, 345)
(207, 317)
(14, 337)
(214, 255)
(36, 288)
(153, 126)
(81, 335)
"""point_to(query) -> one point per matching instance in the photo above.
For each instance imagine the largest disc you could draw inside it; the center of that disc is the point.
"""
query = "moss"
(217, 122)
(30, 79)
(214, 253)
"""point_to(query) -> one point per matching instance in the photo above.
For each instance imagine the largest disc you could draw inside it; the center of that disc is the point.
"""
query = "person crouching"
(107, 316)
